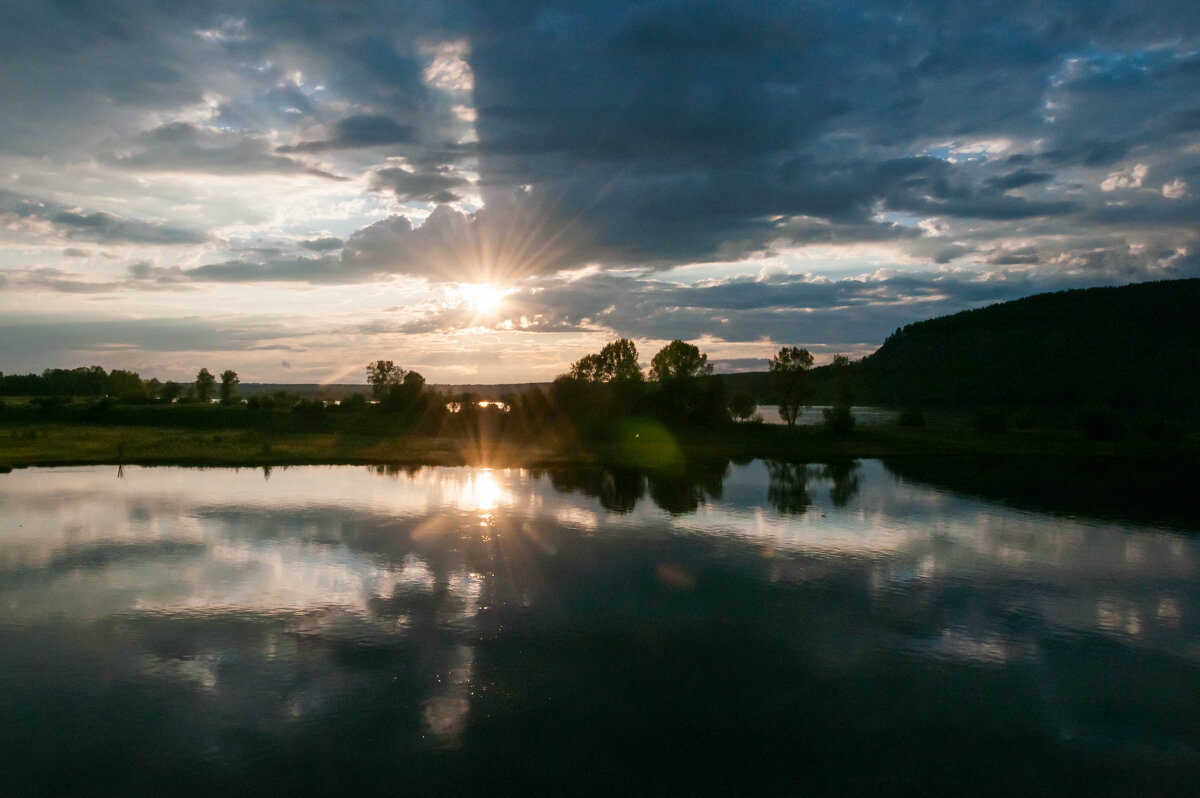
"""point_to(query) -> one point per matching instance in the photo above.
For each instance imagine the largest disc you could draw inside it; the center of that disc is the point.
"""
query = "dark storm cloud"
(1012, 257)
(673, 130)
(183, 147)
(358, 131)
(423, 187)
(1018, 179)
(1051, 144)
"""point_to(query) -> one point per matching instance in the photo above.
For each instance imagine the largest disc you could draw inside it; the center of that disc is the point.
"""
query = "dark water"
(762, 629)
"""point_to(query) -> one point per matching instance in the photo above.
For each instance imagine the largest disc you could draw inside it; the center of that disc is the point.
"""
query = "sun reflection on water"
(481, 493)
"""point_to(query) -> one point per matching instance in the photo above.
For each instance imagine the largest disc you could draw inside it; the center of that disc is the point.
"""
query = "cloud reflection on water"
(276, 605)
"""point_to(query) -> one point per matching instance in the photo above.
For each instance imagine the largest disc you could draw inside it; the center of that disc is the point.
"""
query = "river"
(757, 628)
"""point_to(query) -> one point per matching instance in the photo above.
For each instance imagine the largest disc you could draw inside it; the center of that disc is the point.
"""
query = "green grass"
(44, 444)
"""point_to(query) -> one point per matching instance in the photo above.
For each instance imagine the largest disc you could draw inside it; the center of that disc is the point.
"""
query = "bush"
(1158, 430)
(911, 417)
(355, 402)
(991, 422)
(1024, 419)
(839, 420)
(99, 407)
(1099, 423)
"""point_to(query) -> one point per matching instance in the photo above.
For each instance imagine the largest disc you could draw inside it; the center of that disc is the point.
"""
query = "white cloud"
(1126, 178)
(1176, 189)
(449, 71)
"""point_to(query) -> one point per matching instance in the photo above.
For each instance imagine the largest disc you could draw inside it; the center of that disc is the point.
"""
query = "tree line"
(93, 382)
(678, 387)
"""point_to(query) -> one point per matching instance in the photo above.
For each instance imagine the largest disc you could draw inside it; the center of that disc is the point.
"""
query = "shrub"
(1024, 419)
(839, 420)
(991, 422)
(1099, 423)
(354, 402)
(911, 417)
(1158, 430)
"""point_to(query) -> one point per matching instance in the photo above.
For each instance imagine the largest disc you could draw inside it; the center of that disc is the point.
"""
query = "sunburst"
(484, 298)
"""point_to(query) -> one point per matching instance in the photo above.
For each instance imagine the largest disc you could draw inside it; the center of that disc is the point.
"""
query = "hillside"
(1132, 346)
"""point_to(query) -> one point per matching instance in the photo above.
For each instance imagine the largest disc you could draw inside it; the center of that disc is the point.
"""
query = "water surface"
(761, 628)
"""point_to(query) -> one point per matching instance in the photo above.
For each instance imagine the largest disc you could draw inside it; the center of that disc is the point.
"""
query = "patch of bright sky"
(970, 150)
(832, 261)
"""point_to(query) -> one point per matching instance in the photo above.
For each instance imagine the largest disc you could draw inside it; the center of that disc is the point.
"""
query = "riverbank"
(639, 443)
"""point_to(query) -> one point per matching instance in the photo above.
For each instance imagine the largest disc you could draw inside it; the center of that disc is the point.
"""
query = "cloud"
(19, 337)
(1018, 179)
(184, 147)
(503, 243)
(100, 226)
(323, 244)
(527, 144)
(1176, 189)
(436, 187)
(1126, 178)
(361, 130)
(40, 217)
(327, 269)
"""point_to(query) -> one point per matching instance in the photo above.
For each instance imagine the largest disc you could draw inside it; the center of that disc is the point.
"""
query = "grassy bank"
(638, 443)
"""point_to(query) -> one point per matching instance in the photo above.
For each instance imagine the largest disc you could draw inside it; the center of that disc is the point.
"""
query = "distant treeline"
(91, 381)
(1133, 347)
(594, 398)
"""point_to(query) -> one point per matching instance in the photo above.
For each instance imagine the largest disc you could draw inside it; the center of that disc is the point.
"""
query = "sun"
(483, 298)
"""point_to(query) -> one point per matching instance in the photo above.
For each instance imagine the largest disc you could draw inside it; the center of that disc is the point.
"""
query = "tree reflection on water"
(436, 631)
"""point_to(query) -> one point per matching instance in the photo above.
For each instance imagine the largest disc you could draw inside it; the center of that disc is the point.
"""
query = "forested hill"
(1132, 346)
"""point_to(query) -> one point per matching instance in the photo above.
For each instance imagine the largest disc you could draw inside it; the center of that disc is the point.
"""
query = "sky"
(487, 191)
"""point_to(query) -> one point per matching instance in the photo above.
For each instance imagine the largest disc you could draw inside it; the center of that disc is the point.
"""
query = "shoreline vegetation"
(1028, 378)
(637, 442)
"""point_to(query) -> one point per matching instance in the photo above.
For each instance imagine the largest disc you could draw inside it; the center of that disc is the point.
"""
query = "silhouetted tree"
(229, 383)
(742, 404)
(838, 418)
(382, 375)
(616, 362)
(404, 394)
(788, 371)
(683, 388)
(82, 381)
(355, 402)
(679, 361)
(204, 385)
(170, 391)
(126, 385)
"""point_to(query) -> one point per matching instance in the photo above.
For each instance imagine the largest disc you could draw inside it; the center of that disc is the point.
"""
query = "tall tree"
(204, 385)
(788, 370)
(382, 375)
(229, 384)
(616, 362)
(838, 417)
(679, 361)
(742, 405)
(126, 385)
